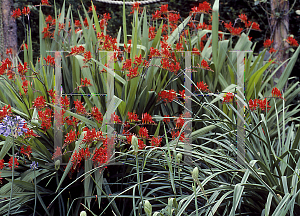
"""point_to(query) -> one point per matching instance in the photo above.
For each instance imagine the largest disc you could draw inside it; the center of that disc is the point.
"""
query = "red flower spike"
(276, 93)
(141, 144)
(166, 120)
(79, 107)
(135, 6)
(87, 56)
(263, 104)
(91, 8)
(100, 156)
(50, 60)
(228, 97)
(202, 86)
(16, 13)
(204, 64)
(86, 82)
(155, 141)
(164, 8)
(179, 122)
(132, 117)
(268, 43)
(45, 2)
(1, 164)
(202, 8)
(143, 132)
(253, 104)
(46, 32)
(26, 151)
(10, 163)
(243, 18)
(196, 51)
(26, 11)
(272, 50)
(70, 137)
(255, 26)
(292, 41)
(115, 118)
(156, 15)
(147, 119)
(97, 114)
(39, 102)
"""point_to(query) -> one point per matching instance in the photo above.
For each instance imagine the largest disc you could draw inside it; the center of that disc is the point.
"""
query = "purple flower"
(12, 124)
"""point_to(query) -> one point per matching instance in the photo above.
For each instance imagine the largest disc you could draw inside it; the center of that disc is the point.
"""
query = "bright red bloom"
(155, 141)
(1, 164)
(29, 134)
(138, 60)
(79, 107)
(22, 46)
(253, 104)
(86, 22)
(167, 95)
(132, 117)
(45, 2)
(204, 64)
(115, 118)
(228, 97)
(106, 16)
(48, 19)
(39, 102)
(268, 43)
(151, 34)
(202, 86)
(86, 82)
(174, 17)
(97, 114)
(164, 8)
(147, 119)
(141, 144)
(272, 50)
(77, 50)
(176, 134)
(16, 13)
(132, 72)
(10, 162)
(276, 93)
(45, 117)
(100, 156)
(91, 135)
(202, 8)
(196, 51)
(179, 122)
(243, 18)
(153, 52)
(182, 93)
(179, 47)
(91, 8)
(72, 122)
(263, 104)
(143, 132)
(87, 56)
(292, 41)
(46, 32)
(135, 6)
(70, 137)
(22, 69)
(228, 26)
(26, 151)
(156, 15)
(255, 26)
(26, 11)
(236, 31)
(127, 64)
(50, 60)
(5, 111)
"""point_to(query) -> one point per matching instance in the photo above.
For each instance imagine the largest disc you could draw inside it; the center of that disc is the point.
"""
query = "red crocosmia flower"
(155, 141)
(141, 144)
(132, 72)
(22, 46)
(147, 119)
(153, 52)
(182, 93)
(243, 18)
(86, 82)
(167, 95)
(204, 64)
(70, 137)
(87, 56)
(127, 64)
(196, 51)
(45, 118)
(292, 41)
(132, 117)
(272, 50)
(26, 151)
(72, 122)
(48, 19)
(267, 43)
(22, 69)
(39, 102)
(91, 135)
(79, 107)
(46, 32)
(252, 104)
(250, 38)
(236, 31)
(202, 8)
(115, 118)
(91, 8)
(135, 6)
(228, 97)
(77, 23)
(1, 164)
(179, 122)
(202, 86)
(164, 8)
(10, 162)
(50, 60)
(26, 11)
(176, 134)
(29, 134)
(263, 104)
(156, 15)
(106, 16)
(25, 86)
(100, 156)
(228, 26)
(45, 2)
(143, 132)
(16, 13)
(179, 47)
(255, 26)
(86, 22)
(8, 51)
(5, 111)
(276, 93)
(97, 114)
(138, 60)
(174, 17)
(166, 119)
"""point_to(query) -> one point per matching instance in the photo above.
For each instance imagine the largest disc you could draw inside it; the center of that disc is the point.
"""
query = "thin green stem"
(34, 192)
(12, 175)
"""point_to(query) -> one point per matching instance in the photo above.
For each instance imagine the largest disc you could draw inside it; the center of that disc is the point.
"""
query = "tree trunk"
(8, 35)
(280, 31)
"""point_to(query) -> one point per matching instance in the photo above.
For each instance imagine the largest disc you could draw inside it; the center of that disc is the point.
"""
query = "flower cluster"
(26, 151)
(13, 125)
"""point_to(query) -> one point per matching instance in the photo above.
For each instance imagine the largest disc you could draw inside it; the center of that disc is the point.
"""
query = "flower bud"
(195, 173)
(57, 164)
(134, 143)
(148, 208)
(178, 157)
(298, 12)
(83, 213)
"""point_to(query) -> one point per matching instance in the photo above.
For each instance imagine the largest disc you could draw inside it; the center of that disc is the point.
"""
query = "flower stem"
(12, 175)
(34, 192)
